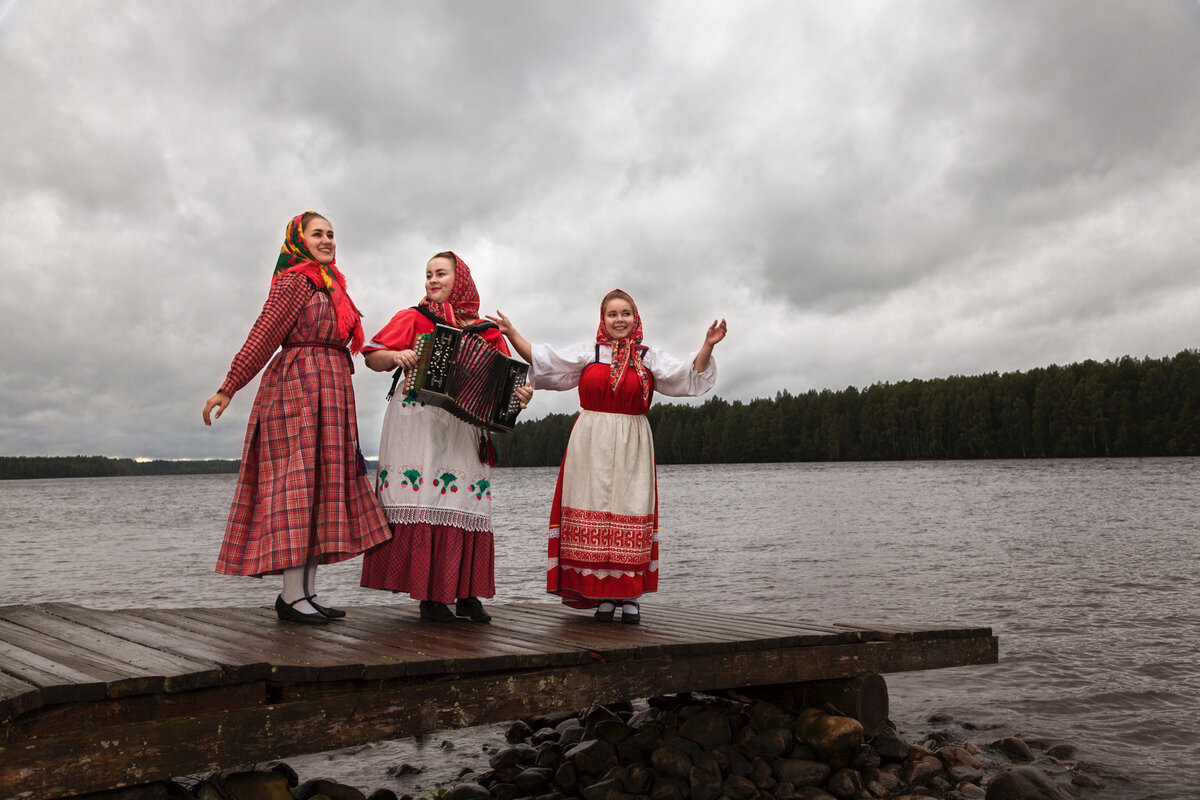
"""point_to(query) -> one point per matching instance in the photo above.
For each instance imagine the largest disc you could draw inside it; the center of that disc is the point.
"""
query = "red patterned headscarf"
(464, 297)
(626, 352)
(294, 256)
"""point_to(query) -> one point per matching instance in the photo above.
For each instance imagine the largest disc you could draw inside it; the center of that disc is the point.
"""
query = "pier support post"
(863, 697)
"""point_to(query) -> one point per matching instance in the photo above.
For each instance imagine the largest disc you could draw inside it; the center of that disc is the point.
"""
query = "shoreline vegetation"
(1121, 408)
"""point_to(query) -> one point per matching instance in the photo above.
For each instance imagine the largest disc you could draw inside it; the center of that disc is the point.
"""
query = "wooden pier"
(94, 700)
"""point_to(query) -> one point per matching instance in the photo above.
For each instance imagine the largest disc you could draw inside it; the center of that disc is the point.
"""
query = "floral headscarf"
(464, 297)
(626, 352)
(294, 256)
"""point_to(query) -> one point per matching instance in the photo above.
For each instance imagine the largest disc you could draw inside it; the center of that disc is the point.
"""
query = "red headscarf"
(464, 297)
(294, 256)
(626, 352)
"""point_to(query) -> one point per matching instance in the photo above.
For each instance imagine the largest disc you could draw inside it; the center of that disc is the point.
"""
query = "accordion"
(458, 371)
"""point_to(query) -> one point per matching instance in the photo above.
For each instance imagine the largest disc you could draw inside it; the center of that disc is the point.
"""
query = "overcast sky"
(868, 192)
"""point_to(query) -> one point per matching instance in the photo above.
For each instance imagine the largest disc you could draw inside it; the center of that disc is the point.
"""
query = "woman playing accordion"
(434, 483)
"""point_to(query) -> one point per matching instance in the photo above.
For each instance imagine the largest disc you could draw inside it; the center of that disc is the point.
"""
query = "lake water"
(1086, 570)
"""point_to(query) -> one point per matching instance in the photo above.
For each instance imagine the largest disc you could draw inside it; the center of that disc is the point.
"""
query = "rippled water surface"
(1087, 571)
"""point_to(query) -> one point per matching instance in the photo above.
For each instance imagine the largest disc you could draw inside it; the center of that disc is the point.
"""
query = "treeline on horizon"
(1126, 407)
(17, 467)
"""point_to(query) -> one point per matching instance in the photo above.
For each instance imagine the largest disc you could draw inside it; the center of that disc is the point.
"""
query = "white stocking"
(293, 590)
(310, 578)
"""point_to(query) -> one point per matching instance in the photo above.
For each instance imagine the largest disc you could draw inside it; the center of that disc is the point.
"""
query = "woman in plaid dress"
(302, 495)
(434, 480)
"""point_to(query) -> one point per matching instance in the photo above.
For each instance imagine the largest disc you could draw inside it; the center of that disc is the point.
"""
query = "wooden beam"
(334, 714)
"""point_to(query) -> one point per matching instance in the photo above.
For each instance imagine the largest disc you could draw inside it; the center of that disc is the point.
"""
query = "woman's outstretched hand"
(219, 401)
(503, 323)
(716, 332)
(518, 342)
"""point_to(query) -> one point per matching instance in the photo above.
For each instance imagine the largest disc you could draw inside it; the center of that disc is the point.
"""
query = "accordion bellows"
(460, 372)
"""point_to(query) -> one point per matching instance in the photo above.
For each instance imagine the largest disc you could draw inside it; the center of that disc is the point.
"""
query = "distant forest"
(12, 467)
(1126, 407)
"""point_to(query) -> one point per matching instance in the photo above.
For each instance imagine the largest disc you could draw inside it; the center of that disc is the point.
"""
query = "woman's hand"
(503, 323)
(404, 358)
(518, 342)
(716, 332)
(524, 395)
(219, 401)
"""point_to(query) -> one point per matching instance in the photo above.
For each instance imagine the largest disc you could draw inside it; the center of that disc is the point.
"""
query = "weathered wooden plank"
(369, 711)
(67, 673)
(293, 657)
(178, 673)
(915, 633)
(17, 697)
(74, 717)
(496, 652)
(586, 631)
(611, 642)
(236, 661)
(755, 633)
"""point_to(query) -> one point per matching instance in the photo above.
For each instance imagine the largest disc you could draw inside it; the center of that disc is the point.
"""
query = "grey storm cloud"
(867, 192)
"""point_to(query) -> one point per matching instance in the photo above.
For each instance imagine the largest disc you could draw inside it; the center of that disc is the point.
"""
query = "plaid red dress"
(299, 493)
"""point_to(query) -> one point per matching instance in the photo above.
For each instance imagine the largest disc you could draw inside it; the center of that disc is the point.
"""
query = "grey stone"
(1026, 783)
(1062, 751)
(799, 771)
(671, 761)
(866, 758)
(467, 791)
(566, 776)
(611, 731)
(709, 729)
(704, 785)
(955, 756)
(505, 791)
(549, 754)
(962, 773)
(918, 773)
(738, 788)
(846, 784)
(765, 716)
(334, 791)
(267, 784)
(666, 790)
(542, 735)
(890, 746)
(835, 739)
(602, 790)
(761, 774)
(1015, 749)
(772, 743)
(592, 757)
(639, 781)
(511, 756)
(382, 794)
(535, 780)
(519, 731)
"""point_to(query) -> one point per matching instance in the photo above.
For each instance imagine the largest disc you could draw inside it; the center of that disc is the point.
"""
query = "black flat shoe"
(435, 611)
(325, 611)
(472, 609)
(631, 619)
(603, 614)
(287, 613)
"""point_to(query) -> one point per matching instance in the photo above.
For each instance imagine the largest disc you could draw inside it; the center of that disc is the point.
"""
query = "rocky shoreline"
(701, 747)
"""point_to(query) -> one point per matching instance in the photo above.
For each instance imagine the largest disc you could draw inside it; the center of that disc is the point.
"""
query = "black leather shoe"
(631, 619)
(435, 611)
(472, 609)
(287, 613)
(325, 611)
(604, 611)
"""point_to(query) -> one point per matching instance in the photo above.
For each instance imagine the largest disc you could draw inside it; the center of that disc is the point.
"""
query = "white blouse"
(559, 370)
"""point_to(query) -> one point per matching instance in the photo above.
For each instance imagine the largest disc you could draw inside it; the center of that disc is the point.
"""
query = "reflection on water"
(1085, 569)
